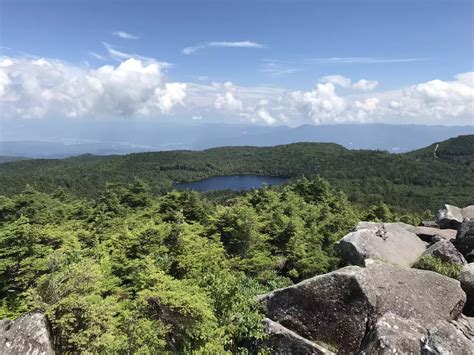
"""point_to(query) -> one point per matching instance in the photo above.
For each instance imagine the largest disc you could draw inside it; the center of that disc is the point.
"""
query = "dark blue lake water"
(233, 182)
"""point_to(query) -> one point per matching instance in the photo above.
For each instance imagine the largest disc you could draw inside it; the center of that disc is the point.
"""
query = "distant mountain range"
(62, 139)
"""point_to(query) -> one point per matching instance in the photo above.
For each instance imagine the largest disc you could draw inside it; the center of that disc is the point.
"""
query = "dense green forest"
(126, 265)
(413, 181)
(128, 272)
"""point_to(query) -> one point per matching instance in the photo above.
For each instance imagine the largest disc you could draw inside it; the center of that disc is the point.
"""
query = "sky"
(267, 62)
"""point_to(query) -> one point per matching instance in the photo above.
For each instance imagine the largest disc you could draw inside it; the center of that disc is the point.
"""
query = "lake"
(232, 182)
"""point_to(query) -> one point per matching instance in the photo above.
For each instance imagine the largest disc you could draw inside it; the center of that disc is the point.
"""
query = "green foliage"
(129, 272)
(441, 267)
(405, 182)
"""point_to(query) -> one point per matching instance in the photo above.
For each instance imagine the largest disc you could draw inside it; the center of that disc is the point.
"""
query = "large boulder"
(446, 251)
(465, 239)
(284, 341)
(339, 308)
(432, 235)
(466, 277)
(29, 334)
(390, 242)
(395, 335)
(450, 217)
(453, 337)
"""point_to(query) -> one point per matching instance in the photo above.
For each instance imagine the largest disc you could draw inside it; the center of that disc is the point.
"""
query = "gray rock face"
(28, 334)
(432, 235)
(445, 251)
(394, 335)
(450, 217)
(466, 277)
(465, 239)
(284, 341)
(339, 308)
(390, 242)
(453, 337)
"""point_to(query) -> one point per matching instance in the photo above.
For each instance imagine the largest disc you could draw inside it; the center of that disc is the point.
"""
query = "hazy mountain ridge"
(102, 138)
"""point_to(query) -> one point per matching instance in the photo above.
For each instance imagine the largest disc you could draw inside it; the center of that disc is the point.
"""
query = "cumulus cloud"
(124, 35)
(322, 104)
(365, 85)
(227, 100)
(337, 80)
(223, 44)
(137, 88)
(435, 101)
(342, 81)
(37, 88)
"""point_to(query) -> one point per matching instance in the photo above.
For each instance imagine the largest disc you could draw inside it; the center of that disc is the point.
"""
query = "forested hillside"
(416, 181)
(127, 272)
(453, 150)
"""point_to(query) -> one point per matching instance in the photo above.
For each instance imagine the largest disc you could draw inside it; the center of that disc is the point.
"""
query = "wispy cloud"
(120, 56)
(124, 35)
(222, 44)
(96, 55)
(276, 69)
(360, 60)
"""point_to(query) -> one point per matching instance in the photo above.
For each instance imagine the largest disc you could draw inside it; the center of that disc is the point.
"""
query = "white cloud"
(435, 101)
(222, 44)
(276, 69)
(227, 100)
(337, 80)
(124, 35)
(37, 88)
(342, 81)
(97, 56)
(136, 88)
(322, 105)
(365, 85)
(361, 60)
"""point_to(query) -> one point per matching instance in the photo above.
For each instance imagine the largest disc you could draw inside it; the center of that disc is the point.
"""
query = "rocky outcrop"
(465, 239)
(466, 277)
(453, 337)
(284, 341)
(28, 334)
(393, 334)
(431, 235)
(343, 307)
(446, 251)
(390, 242)
(451, 217)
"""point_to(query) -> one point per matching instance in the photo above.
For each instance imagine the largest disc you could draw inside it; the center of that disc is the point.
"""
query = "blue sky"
(285, 45)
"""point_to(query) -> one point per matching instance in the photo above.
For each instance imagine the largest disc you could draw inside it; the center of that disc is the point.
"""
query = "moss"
(437, 265)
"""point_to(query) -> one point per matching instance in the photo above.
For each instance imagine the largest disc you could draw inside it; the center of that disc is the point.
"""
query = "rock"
(432, 235)
(339, 308)
(390, 242)
(465, 239)
(394, 335)
(29, 334)
(431, 224)
(453, 337)
(446, 251)
(427, 234)
(466, 277)
(450, 217)
(284, 341)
